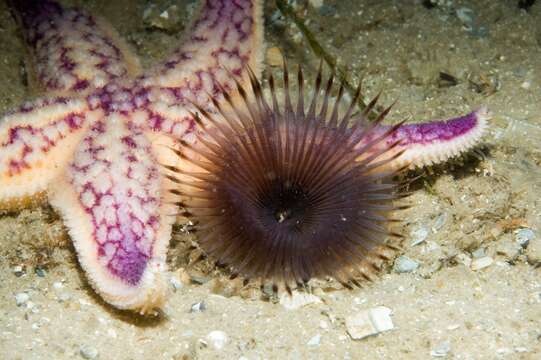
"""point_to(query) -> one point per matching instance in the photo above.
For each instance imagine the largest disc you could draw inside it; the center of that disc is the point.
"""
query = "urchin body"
(285, 193)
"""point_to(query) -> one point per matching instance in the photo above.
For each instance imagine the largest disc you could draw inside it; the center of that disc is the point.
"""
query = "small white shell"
(298, 300)
(369, 322)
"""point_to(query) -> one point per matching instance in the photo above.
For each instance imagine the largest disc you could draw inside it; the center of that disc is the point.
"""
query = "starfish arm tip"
(435, 142)
(126, 279)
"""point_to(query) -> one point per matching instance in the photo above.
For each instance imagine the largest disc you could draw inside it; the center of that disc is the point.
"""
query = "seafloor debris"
(524, 236)
(218, 339)
(508, 248)
(404, 264)
(88, 352)
(21, 298)
(198, 307)
(314, 340)
(481, 263)
(298, 299)
(533, 252)
(369, 322)
(175, 282)
(274, 57)
(418, 235)
(164, 16)
(441, 349)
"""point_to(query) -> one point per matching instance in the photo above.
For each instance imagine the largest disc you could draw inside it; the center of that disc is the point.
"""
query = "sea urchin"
(285, 193)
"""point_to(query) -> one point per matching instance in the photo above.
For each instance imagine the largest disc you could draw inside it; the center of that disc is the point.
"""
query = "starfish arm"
(36, 142)
(111, 200)
(434, 142)
(226, 37)
(72, 50)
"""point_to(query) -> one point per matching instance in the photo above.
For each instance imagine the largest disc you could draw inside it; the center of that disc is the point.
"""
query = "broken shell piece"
(218, 339)
(369, 322)
(419, 235)
(441, 349)
(297, 300)
(481, 263)
(314, 341)
(404, 264)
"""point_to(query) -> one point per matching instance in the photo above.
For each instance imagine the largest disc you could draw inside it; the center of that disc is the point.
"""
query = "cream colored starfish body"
(93, 145)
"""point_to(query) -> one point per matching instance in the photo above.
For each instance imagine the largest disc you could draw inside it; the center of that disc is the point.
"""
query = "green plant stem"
(288, 12)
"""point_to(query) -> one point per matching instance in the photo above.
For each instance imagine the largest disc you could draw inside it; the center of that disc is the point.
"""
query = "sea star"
(92, 145)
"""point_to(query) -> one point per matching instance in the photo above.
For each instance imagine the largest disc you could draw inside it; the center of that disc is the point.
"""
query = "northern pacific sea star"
(92, 145)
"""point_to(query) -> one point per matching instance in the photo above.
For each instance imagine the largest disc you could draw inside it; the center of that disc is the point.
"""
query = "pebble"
(314, 341)
(40, 272)
(175, 282)
(21, 298)
(18, 270)
(198, 307)
(58, 285)
(441, 349)
(404, 264)
(274, 57)
(88, 352)
(481, 263)
(524, 236)
(298, 300)
(218, 339)
(163, 16)
(533, 252)
(526, 85)
(509, 249)
(369, 322)
(199, 279)
(479, 253)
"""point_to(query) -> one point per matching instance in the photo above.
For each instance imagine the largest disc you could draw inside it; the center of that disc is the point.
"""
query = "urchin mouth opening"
(289, 204)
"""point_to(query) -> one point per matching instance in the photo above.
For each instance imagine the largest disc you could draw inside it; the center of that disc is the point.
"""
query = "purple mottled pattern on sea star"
(92, 145)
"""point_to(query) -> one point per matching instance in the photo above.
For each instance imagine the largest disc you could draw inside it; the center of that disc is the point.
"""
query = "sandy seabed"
(480, 207)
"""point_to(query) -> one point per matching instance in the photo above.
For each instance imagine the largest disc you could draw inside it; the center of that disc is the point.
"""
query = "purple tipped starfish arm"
(92, 145)
(433, 142)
